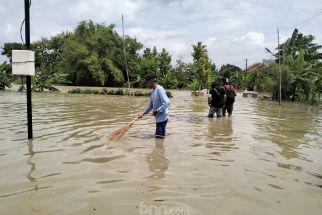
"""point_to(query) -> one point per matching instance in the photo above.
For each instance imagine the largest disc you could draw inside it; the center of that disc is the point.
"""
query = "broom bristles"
(119, 133)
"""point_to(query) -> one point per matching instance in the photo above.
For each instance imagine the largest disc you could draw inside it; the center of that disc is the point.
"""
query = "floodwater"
(265, 159)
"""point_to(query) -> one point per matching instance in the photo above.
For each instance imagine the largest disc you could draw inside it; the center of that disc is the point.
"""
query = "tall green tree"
(148, 64)
(201, 64)
(299, 42)
(182, 74)
(166, 72)
(48, 59)
(164, 63)
(94, 55)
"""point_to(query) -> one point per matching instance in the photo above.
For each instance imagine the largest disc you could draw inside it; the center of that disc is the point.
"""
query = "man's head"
(214, 84)
(150, 80)
(224, 80)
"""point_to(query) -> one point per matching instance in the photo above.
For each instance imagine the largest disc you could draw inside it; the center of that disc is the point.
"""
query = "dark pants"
(229, 108)
(160, 129)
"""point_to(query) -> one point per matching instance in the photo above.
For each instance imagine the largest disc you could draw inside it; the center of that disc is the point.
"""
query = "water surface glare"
(265, 159)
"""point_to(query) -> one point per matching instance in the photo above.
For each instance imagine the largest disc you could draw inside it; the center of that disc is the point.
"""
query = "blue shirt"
(159, 102)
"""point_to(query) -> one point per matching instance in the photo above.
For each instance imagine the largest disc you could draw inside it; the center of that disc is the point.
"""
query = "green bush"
(127, 92)
(169, 94)
(75, 91)
(104, 91)
(119, 92)
(111, 92)
(138, 93)
(87, 91)
(95, 91)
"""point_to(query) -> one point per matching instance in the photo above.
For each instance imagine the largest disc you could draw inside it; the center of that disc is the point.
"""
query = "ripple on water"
(264, 152)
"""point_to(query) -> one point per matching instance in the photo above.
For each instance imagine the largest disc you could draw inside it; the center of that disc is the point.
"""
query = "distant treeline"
(94, 55)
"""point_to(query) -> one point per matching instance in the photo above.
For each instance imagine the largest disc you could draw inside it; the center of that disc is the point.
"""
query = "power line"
(23, 22)
(307, 21)
(144, 9)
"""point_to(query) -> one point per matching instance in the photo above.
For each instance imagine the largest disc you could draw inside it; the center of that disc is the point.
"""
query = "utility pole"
(28, 77)
(279, 66)
(246, 64)
(125, 61)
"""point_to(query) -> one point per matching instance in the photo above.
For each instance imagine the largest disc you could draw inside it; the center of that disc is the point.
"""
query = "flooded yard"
(265, 159)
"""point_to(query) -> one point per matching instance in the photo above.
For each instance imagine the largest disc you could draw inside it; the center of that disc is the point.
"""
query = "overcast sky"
(232, 30)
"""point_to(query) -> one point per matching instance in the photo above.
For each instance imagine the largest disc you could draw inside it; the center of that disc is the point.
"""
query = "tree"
(229, 70)
(48, 59)
(292, 46)
(301, 68)
(164, 63)
(5, 80)
(94, 55)
(148, 64)
(201, 64)
(298, 42)
(182, 74)
(165, 70)
(8, 47)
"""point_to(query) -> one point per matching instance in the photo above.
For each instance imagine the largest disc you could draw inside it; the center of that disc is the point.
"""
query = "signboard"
(23, 62)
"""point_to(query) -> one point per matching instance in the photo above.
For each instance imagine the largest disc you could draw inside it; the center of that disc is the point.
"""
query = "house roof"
(252, 67)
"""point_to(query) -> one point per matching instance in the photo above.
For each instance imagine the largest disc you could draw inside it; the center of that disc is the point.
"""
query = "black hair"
(214, 84)
(224, 80)
(150, 77)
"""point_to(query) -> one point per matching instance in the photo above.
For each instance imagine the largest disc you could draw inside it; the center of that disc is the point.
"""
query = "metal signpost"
(23, 63)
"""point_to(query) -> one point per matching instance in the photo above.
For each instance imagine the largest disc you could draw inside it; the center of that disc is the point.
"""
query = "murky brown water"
(266, 159)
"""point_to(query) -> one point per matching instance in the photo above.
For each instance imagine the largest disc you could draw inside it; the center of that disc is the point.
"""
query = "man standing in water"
(231, 92)
(159, 104)
(216, 100)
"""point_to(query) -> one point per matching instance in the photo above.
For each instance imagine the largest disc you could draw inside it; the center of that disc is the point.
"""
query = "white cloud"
(210, 41)
(7, 28)
(170, 40)
(253, 38)
(232, 30)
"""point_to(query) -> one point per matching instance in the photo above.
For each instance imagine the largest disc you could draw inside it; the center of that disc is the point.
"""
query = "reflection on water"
(265, 159)
(32, 165)
(158, 163)
(220, 133)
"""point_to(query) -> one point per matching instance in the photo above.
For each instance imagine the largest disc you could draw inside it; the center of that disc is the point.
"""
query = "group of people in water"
(221, 99)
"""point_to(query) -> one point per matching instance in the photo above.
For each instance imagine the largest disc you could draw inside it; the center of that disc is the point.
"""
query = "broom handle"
(137, 118)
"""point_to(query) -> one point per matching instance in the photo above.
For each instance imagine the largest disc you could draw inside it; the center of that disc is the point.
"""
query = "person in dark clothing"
(216, 100)
(231, 92)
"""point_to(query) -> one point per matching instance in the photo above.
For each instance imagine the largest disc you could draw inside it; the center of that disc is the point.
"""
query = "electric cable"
(22, 24)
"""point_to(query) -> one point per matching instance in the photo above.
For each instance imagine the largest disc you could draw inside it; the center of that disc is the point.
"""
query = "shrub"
(104, 91)
(138, 93)
(75, 91)
(127, 92)
(87, 91)
(95, 91)
(119, 92)
(169, 94)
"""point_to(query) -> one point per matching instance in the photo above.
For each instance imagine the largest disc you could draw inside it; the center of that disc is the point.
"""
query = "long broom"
(119, 133)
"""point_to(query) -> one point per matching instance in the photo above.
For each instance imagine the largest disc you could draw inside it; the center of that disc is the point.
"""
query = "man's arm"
(164, 100)
(223, 92)
(233, 89)
(147, 109)
(209, 100)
